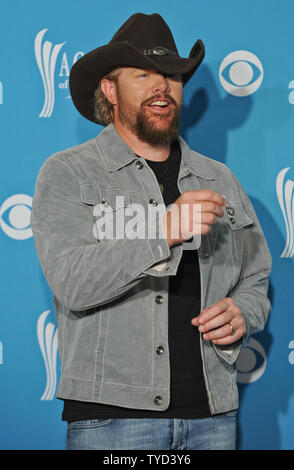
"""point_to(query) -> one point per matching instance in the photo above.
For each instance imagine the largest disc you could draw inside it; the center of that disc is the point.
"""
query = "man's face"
(149, 104)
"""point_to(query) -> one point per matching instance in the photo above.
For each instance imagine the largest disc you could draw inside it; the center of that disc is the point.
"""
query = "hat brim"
(87, 72)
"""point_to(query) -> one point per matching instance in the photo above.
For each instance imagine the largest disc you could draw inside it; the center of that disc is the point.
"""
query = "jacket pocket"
(108, 207)
(110, 199)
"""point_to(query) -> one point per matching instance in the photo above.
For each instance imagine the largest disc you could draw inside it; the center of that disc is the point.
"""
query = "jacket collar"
(116, 154)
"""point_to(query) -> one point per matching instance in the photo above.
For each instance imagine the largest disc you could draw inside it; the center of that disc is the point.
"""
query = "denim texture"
(110, 321)
(214, 433)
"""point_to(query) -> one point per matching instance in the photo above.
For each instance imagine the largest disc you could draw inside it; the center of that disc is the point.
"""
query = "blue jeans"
(214, 433)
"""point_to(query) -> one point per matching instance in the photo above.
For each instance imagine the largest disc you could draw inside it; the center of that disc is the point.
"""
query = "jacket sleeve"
(250, 293)
(81, 271)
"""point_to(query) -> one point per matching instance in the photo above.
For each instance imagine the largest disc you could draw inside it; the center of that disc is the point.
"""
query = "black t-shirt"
(188, 391)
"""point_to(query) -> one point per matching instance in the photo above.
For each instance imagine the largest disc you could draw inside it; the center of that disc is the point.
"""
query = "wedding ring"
(232, 328)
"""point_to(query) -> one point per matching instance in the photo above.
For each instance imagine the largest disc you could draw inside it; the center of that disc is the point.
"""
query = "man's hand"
(222, 323)
(179, 224)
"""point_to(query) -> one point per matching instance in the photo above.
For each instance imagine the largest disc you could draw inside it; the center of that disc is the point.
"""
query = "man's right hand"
(181, 221)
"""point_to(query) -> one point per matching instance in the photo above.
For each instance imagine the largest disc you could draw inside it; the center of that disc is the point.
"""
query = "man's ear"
(109, 89)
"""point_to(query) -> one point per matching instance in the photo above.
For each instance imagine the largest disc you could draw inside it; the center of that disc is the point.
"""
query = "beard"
(153, 129)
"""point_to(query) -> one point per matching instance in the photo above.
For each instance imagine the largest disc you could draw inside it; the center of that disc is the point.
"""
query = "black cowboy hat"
(143, 41)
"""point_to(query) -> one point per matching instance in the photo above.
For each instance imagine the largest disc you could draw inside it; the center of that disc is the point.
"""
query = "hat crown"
(145, 32)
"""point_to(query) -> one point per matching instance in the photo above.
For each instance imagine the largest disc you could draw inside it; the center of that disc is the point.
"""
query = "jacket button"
(159, 299)
(232, 220)
(160, 350)
(139, 165)
(230, 210)
(153, 202)
(158, 400)
(104, 202)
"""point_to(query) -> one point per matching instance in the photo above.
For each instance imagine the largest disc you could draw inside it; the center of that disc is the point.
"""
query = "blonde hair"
(103, 109)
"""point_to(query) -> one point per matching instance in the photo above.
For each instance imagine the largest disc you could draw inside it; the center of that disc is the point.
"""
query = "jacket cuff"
(169, 266)
(229, 353)
(167, 258)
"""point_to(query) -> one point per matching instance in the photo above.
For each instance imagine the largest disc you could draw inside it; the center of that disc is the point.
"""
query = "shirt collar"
(116, 154)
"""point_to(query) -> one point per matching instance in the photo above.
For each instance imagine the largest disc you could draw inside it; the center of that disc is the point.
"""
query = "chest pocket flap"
(110, 198)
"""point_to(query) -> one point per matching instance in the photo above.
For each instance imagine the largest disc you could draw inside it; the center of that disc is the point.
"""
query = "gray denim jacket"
(111, 295)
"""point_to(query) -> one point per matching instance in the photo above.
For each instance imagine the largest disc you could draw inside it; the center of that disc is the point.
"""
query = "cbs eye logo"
(291, 94)
(16, 223)
(251, 362)
(241, 73)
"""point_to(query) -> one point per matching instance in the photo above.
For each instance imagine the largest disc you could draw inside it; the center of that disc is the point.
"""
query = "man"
(150, 327)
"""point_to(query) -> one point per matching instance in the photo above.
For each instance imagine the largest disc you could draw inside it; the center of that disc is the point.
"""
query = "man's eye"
(176, 78)
(144, 75)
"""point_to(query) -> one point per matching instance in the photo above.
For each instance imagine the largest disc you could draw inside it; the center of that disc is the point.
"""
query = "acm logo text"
(46, 54)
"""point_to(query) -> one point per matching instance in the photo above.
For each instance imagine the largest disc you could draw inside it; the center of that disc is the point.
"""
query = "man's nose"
(161, 84)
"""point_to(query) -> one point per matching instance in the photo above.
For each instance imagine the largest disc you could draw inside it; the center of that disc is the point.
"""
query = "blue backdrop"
(238, 109)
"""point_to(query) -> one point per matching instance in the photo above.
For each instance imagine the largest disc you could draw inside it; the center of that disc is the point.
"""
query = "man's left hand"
(222, 323)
